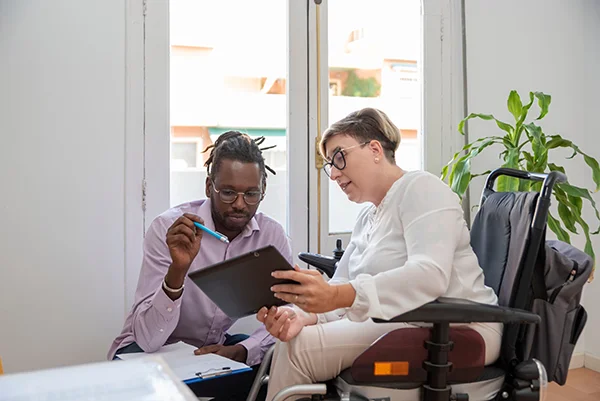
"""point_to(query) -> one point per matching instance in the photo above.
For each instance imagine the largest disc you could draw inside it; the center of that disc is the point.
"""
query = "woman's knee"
(304, 349)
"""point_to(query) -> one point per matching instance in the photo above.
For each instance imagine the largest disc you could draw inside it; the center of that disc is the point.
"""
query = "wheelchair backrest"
(507, 242)
(501, 236)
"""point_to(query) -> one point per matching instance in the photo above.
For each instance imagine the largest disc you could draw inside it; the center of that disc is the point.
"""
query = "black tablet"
(240, 286)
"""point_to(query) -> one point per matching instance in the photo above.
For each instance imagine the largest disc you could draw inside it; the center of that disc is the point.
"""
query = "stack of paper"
(143, 379)
(189, 367)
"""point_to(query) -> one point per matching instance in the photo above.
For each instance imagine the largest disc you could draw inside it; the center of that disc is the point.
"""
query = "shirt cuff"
(359, 310)
(167, 308)
(252, 346)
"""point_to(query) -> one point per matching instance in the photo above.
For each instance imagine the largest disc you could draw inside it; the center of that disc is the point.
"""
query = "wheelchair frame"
(519, 383)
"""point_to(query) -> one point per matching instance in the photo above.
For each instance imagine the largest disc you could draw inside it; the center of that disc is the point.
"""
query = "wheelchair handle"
(326, 264)
(549, 179)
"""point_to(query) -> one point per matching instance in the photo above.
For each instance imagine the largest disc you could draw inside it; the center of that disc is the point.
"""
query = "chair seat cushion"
(488, 373)
(402, 352)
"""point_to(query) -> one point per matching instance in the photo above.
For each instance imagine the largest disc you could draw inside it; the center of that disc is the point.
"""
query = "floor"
(582, 385)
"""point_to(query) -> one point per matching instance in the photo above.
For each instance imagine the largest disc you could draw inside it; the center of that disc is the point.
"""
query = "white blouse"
(410, 250)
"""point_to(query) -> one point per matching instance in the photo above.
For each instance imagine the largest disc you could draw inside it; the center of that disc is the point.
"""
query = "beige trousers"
(321, 352)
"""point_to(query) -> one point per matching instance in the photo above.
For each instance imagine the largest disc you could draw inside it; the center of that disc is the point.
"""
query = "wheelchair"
(443, 363)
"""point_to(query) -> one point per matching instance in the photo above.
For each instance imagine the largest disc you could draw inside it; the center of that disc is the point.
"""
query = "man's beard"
(226, 223)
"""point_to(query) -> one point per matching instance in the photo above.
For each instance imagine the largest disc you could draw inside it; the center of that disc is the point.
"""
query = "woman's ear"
(376, 149)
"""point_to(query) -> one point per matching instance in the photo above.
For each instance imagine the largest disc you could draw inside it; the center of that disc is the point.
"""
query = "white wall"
(62, 174)
(540, 45)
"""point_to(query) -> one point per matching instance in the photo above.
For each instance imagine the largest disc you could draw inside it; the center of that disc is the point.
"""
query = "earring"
(377, 160)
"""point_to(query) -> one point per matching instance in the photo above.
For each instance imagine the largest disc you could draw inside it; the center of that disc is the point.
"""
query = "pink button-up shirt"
(155, 320)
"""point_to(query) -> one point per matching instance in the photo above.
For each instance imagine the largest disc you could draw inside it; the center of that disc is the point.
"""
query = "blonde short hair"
(366, 125)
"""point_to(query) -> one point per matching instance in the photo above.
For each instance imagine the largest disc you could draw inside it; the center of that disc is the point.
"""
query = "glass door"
(228, 72)
(367, 56)
(241, 65)
(403, 57)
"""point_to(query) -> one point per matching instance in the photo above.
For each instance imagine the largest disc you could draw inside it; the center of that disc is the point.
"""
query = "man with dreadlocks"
(170, 308)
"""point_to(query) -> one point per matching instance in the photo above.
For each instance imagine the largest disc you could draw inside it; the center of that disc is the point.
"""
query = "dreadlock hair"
(234, 145)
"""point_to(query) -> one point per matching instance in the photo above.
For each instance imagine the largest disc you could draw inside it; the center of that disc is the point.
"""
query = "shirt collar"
(205, 212)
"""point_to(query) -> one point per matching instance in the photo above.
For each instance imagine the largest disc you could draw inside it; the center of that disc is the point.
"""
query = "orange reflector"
(390, 368)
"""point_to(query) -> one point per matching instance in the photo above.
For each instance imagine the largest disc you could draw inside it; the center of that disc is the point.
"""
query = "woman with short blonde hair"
(409, 246)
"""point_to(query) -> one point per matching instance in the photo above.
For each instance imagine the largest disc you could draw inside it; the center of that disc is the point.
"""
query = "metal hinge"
(319, 161)
(144, 195)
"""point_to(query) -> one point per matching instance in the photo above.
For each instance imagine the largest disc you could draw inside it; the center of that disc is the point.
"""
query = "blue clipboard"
(214, 375)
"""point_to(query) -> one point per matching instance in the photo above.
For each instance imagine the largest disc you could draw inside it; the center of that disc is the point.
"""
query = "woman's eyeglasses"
(229, 196)
(338, 160)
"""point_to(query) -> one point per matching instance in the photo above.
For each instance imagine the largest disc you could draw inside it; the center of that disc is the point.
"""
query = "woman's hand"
(282, 323)
(313, 294)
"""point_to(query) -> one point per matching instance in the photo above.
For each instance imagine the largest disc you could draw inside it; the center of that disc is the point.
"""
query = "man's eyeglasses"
(229, 196)
(338, 160)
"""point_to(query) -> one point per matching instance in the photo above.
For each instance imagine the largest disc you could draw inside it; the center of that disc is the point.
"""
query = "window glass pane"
(183, 155)
(373, 62)
(228, 70)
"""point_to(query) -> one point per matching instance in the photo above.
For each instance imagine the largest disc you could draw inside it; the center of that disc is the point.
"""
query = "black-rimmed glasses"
(230, 196)
(338, 160)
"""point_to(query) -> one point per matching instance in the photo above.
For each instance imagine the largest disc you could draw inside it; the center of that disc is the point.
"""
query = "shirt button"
(169, 309)
(161, 330)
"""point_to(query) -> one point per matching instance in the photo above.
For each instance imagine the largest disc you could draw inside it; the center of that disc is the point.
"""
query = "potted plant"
(527, 147)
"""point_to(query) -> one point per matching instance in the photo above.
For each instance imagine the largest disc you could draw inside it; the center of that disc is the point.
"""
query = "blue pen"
(218, 236)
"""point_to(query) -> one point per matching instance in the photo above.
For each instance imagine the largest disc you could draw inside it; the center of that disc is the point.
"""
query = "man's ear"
(208, 187)
(264, 187)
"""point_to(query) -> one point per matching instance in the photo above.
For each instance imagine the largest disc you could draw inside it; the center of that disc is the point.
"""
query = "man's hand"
(236, 352)
(183, 240)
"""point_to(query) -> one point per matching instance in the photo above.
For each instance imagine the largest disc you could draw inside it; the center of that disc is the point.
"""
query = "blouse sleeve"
(432, 219)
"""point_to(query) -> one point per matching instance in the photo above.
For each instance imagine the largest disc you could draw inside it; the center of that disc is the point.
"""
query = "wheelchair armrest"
(452, 310)
(325, 264)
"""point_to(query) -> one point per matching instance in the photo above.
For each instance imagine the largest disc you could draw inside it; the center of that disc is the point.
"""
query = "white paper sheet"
(181, 359)
(143, 379)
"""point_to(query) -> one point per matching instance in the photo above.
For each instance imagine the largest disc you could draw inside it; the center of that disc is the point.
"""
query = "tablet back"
(240, 286)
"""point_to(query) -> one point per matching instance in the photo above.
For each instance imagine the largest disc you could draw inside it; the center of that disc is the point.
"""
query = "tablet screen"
(240, 286)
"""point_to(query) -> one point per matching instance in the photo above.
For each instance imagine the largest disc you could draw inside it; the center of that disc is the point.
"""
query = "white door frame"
(442, 101)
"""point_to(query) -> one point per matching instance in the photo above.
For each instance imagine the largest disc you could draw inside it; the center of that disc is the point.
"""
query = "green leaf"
(543, 102)
(567, 217)
(526, 109)
(524, 185)
(555, 226)
(593, 163)
(480, 174)
(529, 158)
(457, 155)
(578, 192)
(538, 145)
(560, 196)
(515, 106)
(554, 167)
(504, 126)
(511, 160)
(556, 141)
(577, 202)
(460, 176)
